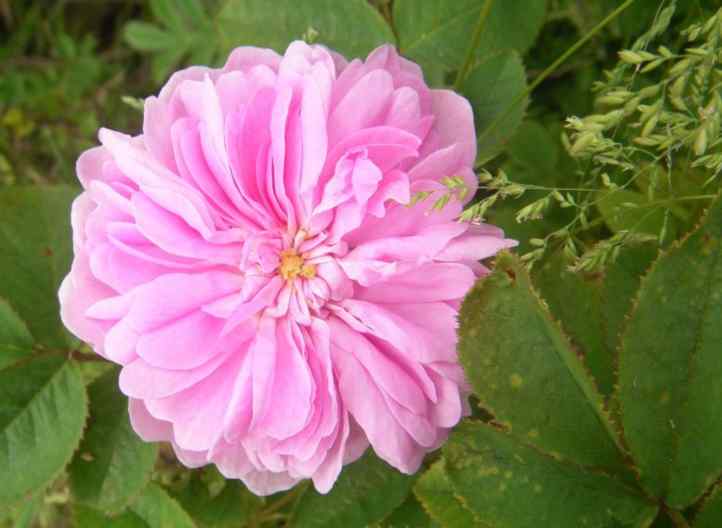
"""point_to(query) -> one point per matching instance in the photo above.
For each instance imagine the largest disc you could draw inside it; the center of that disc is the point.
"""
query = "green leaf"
(159, 510)
(526, 373)
(491, 87)
(35, 254)
(112, 464)
(86, 517)
(409, 515)
(627, 210)
(621, 282)
(15, 339)
(440, 499)
(534, 155)
(143, 36)
(575, 299)
(233, 506)
(42, 413)
(365, 492)
(351, 27)
(439, 31)
(710, 515)
(670, 369)
(508, 484)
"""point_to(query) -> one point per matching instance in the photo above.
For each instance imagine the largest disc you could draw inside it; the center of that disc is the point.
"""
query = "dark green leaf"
(112, 464)
(365, 492)
(35, 254)
(351, 27)
(439, 31)
(574, 298)
(508, 484)
(409, 515)
(670, 369)
(491, 87)
(15, 339)
(86, 517)
(159, 510)
(440, 499)
(42, 413)
(710, 516)
(526, 373)
(149, 37)
(626, 210)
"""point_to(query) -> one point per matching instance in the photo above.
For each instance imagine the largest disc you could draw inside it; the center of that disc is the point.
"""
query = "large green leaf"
(670, 369)
(351, 27)
(230, 507)
(15, 339)
(35, 252)
(526, 373)
(159, 510)
(440, 499)
(42, 413)
(491, 88)
(508, 484)
(710, 516)
(86, 517)
(365, 492)
(439, 31)
(112, 464)
(409, 515)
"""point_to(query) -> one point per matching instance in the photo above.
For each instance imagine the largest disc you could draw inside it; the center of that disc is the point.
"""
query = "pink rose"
(253, 263)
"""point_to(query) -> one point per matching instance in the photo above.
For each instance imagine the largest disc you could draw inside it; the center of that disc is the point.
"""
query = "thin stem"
(543, 75)
(475, 39)
(677, 518)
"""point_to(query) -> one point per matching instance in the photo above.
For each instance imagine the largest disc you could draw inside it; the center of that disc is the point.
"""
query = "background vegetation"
(597, 406)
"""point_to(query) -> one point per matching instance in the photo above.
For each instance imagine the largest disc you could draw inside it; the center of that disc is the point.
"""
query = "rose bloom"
(255, 263)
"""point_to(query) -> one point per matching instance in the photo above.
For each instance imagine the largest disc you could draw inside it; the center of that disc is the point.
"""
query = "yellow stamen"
(292, 265)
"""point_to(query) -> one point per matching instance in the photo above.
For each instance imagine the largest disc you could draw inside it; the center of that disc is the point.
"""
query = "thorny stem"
(475, 39)
(543, 75)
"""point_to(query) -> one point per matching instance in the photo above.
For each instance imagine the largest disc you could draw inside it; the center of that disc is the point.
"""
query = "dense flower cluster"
(256, 264)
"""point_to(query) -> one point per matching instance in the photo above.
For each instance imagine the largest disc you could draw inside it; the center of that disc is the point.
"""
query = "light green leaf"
(491, 87)
(710, 515)
(15, 339)
(439, 31)
(624, 210)
(508, 484)
(149, 37)
(670, 369)
(575, 300)
(351, 27)
(409, 515)
(159, 510)
(112, 464)
(440, 500)
(526, 373)
(233, 506)
(42, 413)
(35, 254)
(86, 517)
(365, 492)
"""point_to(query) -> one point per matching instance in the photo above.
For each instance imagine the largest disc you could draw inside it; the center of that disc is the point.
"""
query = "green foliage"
(669, 368)
(366, 492)
(15, 339)
(42, 412)
(35, 254)
(112, 464)
(440, 500)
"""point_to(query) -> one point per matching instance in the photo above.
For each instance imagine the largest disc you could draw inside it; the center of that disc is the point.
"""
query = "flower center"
(292, 265)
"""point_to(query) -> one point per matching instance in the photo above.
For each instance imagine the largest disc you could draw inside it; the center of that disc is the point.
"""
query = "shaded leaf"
(351, 27)
(491, 87)
(508, 484)
(112, 464)
(710, 515)
(670, 368)
(148, 37)
(365, 492)
(35, 254)
(86, 517)
(625, 210)
(439, 31)
(409, 515)
(438, 497)
(159, 510)
(525, 372)
(42, 413)
(15, 339)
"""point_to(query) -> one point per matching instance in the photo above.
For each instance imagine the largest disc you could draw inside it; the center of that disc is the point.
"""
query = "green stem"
(677, 518)
(543, 75)
(475, 39)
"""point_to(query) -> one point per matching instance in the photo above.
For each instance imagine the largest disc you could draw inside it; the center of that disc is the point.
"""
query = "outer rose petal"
(253, 263)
